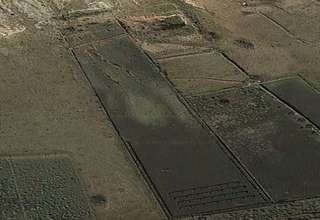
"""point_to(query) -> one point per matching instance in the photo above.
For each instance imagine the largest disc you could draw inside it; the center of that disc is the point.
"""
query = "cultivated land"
(157, 109)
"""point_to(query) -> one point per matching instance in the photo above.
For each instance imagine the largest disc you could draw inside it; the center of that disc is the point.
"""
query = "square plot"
(299, 95)
(164, 30)
(277, 145)
(43, 188)
(200, 73)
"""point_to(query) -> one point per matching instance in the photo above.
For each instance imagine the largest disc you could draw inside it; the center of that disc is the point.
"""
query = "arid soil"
(47, 105)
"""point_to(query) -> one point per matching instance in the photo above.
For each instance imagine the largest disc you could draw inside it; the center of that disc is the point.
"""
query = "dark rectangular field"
(299, 95)
(277, 145)
(185, 164)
